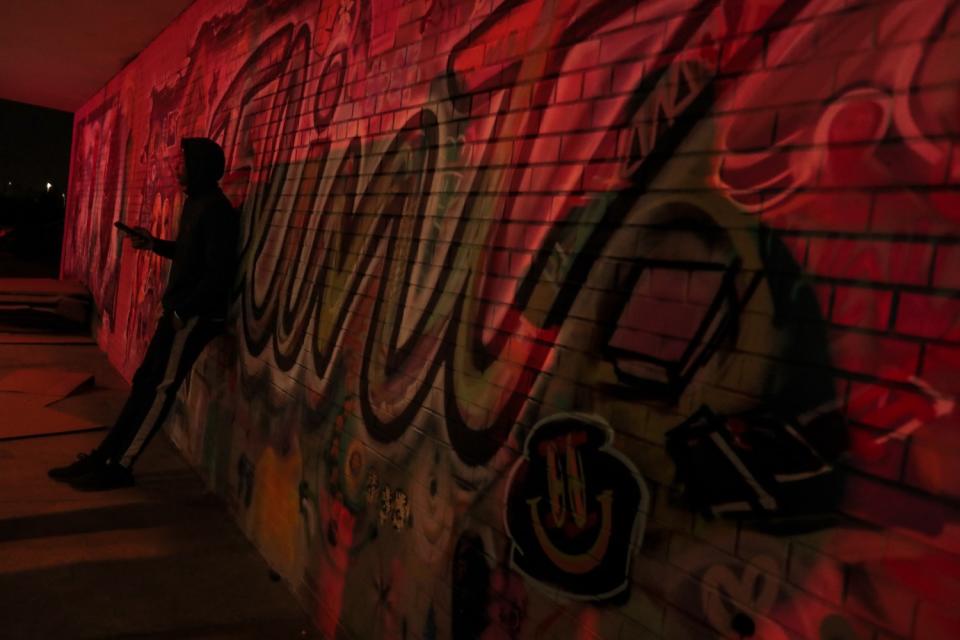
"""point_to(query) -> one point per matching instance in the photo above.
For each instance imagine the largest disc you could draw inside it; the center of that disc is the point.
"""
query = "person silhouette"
(195, 304)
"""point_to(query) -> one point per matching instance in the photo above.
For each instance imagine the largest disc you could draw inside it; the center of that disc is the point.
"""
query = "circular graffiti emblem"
(575, 508)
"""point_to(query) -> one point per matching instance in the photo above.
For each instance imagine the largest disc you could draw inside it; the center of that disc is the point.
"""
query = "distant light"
(49, 186)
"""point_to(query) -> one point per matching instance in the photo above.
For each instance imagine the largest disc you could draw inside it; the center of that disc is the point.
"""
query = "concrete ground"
(160, 560)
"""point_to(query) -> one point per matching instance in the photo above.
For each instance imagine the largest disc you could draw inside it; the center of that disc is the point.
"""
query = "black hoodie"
(205, 252)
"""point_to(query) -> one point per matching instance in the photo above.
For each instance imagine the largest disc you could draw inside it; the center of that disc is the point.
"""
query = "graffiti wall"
(565, 318)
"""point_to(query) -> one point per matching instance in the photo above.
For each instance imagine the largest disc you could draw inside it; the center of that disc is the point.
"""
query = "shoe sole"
(84, 489)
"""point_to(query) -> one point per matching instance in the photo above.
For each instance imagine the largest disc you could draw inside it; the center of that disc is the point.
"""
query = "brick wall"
(565, 318)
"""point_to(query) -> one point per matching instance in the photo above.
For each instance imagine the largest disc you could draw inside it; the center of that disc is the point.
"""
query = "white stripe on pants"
(169, 376)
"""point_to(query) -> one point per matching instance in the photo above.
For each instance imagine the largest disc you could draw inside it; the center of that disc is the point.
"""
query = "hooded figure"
(195, 303)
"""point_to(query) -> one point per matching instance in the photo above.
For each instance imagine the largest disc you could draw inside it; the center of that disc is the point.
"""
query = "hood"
(204, 163)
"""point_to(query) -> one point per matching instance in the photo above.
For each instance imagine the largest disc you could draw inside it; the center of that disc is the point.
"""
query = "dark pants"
(169, 358)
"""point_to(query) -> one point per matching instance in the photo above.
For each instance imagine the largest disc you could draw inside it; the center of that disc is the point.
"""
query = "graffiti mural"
(102, 144)
(564, 318)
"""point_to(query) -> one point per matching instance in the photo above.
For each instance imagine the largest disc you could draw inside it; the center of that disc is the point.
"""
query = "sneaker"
(84, 464)
(107, 477)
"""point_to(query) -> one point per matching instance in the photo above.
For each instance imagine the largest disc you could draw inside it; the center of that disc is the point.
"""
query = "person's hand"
(177, 321)
(142, 239)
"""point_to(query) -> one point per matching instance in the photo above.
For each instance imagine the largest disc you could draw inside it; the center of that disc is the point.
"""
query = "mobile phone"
(126, 229)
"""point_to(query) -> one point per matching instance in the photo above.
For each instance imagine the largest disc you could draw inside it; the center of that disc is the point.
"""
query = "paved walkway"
(160, 560)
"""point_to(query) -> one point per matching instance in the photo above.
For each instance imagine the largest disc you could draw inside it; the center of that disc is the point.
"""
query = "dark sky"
(34, 145)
